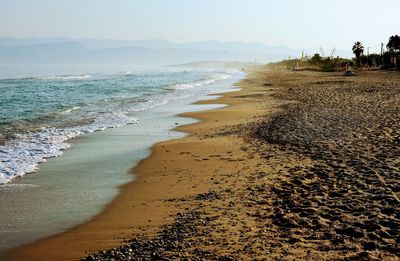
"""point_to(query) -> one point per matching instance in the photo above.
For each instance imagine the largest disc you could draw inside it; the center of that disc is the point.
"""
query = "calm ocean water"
(39, 114)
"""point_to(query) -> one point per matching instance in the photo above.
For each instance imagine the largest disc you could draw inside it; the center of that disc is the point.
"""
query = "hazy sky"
(293, 23)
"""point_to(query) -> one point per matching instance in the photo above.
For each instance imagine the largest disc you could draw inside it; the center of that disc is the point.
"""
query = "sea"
(38, 115)
(68, 139)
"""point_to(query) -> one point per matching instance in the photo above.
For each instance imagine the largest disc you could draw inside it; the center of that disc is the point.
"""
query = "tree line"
(388, 59)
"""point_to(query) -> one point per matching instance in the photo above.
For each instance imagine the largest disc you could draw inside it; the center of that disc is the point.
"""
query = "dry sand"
(300, 165)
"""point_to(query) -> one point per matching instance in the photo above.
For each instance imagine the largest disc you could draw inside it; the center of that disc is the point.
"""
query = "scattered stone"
(328, 179)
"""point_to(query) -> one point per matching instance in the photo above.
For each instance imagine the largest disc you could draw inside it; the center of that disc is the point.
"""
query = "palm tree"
(394, 43)
(358, 49)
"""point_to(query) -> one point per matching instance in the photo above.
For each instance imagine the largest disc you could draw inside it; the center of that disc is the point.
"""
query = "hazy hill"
(145, 52)
(41, 53)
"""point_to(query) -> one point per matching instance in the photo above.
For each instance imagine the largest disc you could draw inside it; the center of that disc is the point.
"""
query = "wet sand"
(300, 165)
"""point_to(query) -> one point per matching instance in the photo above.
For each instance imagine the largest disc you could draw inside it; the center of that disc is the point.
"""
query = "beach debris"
(348, 73)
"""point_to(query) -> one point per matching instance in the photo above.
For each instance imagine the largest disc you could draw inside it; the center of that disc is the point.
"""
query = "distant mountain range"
(143, 52)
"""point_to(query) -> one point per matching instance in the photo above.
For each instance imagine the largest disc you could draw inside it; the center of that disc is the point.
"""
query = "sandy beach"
(299, 165)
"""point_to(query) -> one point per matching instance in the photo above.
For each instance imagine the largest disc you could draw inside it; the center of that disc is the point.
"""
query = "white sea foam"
(22, 156)
(65, 77)
(193, 84)
(128, 73)
(68, 111)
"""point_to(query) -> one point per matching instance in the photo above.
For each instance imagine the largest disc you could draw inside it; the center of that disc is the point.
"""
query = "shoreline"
(299, 165)
(82, 175)
(37, 249)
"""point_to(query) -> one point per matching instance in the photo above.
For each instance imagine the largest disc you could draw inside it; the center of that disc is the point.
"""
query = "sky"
(291, 23)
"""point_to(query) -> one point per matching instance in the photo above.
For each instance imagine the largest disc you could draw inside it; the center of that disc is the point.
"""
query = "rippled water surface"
(39, 114)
